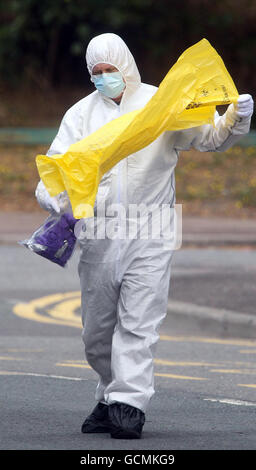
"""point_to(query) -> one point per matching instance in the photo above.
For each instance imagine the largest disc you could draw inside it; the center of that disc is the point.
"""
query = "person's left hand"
(244, 106)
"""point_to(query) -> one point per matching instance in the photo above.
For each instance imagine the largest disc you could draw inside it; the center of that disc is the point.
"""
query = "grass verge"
(207, 184)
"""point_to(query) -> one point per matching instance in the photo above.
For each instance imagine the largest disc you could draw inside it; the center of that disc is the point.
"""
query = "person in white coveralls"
(125, 281)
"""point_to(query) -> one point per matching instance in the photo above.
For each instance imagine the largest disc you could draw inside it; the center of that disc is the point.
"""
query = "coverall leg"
(124, 303)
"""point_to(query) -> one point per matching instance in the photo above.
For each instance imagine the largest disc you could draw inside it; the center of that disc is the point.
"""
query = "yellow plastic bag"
(187, 97)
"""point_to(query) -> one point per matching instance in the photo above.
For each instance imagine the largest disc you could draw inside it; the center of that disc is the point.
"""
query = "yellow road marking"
(248, 351)
(80, 363)
(60, 309)
(247, 385)
(173, 376)
(234, 371)
(29, 311)
(75, 361)
(184, 363)
(180, 377)
(239, 363)
(199, 339)
(66, 310)
(81, 366)
(6, 358)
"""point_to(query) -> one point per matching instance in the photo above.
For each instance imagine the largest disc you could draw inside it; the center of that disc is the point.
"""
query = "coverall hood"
(109, 48)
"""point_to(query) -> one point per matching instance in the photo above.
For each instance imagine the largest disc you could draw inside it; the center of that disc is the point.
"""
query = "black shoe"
(126, 421)
(97, 421)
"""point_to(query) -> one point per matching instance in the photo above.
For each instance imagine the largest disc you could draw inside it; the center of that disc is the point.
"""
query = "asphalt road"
(205, 385)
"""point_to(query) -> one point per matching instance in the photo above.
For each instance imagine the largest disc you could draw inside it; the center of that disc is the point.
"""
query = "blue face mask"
(110, 84)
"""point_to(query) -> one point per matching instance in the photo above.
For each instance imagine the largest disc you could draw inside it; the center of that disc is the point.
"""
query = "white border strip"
(32, 374)
(230, 401)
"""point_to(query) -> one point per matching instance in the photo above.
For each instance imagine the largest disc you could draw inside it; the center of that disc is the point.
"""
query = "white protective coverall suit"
(125, 282)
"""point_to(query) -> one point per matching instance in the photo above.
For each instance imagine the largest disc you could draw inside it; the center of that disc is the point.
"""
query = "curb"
(218, 231)
(188, 240)
(12, 240)
(222, 240)
(196, 231)
(220, 322)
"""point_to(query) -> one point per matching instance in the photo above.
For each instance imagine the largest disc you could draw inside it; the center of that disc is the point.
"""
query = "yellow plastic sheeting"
(187, 97)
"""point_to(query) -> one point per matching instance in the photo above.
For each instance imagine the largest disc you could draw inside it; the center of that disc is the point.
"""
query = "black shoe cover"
(97, 421)
(126, 421)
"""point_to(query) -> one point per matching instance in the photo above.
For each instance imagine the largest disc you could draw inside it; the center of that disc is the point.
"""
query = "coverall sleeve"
(70, 131)
(227, 132)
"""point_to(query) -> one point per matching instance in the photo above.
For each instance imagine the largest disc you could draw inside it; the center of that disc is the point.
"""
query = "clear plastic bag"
(54, 239)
